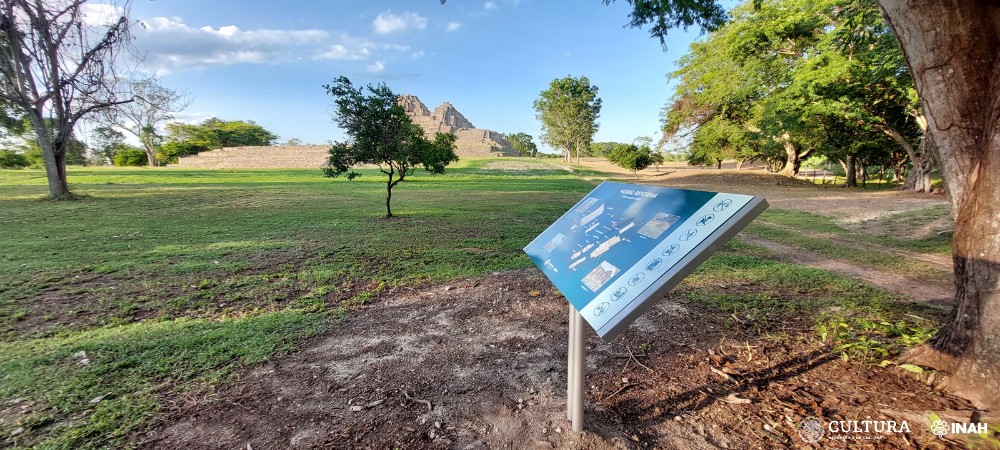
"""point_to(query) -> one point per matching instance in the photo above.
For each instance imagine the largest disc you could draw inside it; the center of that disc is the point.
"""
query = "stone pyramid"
(470, 141)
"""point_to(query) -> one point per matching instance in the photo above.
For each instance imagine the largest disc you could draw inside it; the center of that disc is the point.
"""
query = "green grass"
(938, 243)
(168, 281)
(860, 322)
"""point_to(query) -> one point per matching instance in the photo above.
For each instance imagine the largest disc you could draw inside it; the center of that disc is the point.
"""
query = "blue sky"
(267, 61)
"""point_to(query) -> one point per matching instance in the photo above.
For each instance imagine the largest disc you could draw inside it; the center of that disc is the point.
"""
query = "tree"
(523, 143)
(631, 157)
(154, 105)
(950, 50)
(107, 142)
(187, 139)
(381, 133)
(56, 68)
(568, 110)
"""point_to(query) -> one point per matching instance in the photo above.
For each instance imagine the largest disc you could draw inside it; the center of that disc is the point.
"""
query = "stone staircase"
(296, 157)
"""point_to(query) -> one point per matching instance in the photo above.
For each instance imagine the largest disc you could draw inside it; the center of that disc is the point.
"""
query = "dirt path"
(918, 289)
(936, 261)
(481, 364)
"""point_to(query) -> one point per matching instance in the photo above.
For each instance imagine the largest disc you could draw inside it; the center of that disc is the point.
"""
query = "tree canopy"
(381, 133)
(523, 143)
(569, 110)
(789, 78)
(186, 139)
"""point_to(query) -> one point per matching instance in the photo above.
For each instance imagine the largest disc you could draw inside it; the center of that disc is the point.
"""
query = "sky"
(268, 61)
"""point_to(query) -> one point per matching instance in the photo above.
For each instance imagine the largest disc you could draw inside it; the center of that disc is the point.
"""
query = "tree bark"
(951, 49)
(388, 196)
(793, 157)
(850, 171)
(919, 179)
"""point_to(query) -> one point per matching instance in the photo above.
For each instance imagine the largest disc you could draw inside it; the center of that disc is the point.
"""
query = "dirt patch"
(521, 166)
(481, 364)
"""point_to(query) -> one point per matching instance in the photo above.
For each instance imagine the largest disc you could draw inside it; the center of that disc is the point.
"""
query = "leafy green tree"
(186, 139)
(950, 48)
(154, 105)
(568, 110)
(523, 143)
(130, 157)
(107, 142)
(381, 133)
(631, 157)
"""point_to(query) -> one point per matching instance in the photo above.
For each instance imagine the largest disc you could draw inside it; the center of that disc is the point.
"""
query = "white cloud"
(342, 52)
(452, 27)
(169, 43)
(388, 22)
(417, 55)
(490, 6)
(377, 67)
(101, 14)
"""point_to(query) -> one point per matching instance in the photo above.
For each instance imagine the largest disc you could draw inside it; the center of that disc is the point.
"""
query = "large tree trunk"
(850, 171)
(54, 156)
(793, 157)
(951, 49)
(919, 179)
(151, 157)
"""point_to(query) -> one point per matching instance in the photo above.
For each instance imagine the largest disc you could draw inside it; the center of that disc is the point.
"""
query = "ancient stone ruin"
(470, 141)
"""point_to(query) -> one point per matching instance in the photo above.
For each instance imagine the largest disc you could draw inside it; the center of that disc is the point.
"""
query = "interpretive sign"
(625, 245)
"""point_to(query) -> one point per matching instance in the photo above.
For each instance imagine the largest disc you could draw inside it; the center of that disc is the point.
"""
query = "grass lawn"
(164, 282)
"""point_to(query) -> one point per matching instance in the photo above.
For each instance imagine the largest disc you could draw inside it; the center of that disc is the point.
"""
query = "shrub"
(11, 160)
(131, 157)
(168, 153)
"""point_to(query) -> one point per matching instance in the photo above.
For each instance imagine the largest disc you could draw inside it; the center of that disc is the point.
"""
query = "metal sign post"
(576, 373)
(623, 247)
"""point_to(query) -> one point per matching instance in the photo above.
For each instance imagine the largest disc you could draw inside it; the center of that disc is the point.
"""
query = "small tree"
(568, 110)
(381, 133)
(631, 157)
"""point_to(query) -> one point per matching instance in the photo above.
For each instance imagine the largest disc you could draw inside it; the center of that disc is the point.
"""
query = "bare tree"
(57, 66)
(154, 104)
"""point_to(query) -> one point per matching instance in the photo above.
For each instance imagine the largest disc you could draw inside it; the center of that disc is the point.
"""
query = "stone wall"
(294, 157)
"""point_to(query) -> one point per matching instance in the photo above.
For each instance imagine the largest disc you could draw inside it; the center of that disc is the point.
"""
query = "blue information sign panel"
(625, 245)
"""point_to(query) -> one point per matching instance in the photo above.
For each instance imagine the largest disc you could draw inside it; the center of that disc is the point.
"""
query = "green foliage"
(130, 157)
(631, 157)
(789, 78)
(168, 153)
(381, 133)
(11, 160)
(568, 110)
(185, 139)
(523, 143)
(662, 15)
